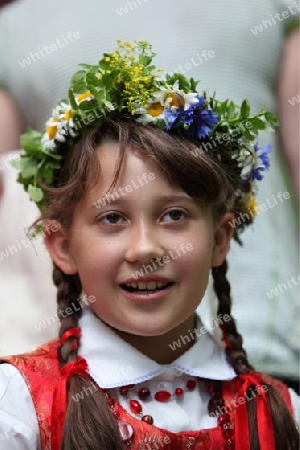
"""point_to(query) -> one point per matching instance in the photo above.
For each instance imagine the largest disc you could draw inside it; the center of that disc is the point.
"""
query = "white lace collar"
(113, 362)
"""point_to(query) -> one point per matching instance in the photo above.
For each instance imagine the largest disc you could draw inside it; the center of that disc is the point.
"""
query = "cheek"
(195, 265)
(96, 260)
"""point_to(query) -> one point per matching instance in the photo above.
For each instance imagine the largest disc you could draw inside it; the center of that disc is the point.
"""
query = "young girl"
(141, 182)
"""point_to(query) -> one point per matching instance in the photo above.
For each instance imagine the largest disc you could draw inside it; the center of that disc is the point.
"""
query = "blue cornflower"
(171, 118)
(203, 119)
(177, 116)
(196, 121)
(261, 161)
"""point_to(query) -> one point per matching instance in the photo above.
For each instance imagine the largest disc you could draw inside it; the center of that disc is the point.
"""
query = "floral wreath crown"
(127, 82)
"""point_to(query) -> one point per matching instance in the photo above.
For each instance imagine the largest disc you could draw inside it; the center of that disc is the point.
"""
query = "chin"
(151, 331)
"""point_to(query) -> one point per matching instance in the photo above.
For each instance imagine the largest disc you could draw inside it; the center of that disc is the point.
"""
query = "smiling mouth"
(146, 288)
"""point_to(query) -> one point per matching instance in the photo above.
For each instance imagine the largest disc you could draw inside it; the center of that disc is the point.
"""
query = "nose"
(145, 244)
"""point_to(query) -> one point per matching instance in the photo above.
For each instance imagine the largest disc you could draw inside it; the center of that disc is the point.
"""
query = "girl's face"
(144, 251)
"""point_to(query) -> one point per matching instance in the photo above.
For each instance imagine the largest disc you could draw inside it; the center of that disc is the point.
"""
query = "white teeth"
(149, 286)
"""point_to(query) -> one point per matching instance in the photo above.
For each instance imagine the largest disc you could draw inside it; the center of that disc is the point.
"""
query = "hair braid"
(285, 430)
(68, 292)
(236, 355)
(89, 423)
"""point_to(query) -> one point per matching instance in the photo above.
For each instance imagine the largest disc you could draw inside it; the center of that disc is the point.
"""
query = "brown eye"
(175, 215)
(112, 219)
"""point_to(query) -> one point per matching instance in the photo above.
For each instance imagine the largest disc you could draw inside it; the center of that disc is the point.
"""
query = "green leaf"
(72, 100)
(36, 194)
(248, 134)
(109, 105)
(145, 60)
(231, 110)
(193, 84)
(271, 119)
(257, 123)
(104, 65)
(183, 81)
(31, 140)
(78, 76)
(225, 124)
(245, 109)
(27, 167)
(54, 164)
(224, 106)
(92, 79)
(52, 154)
(16, 163)
(88, 66)
(151, 68)
(80, 87)
(106, 81)
(86, 105)
(48, 175)
(94, 91)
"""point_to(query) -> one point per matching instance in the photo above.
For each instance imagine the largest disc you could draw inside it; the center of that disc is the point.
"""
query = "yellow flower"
(176, 100)
(127, 44)
(52, 130)
(155, 109)
(252, 206)
(68, 114)
(83, 96)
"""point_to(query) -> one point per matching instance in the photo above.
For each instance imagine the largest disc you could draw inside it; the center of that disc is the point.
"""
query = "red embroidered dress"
(41, 373)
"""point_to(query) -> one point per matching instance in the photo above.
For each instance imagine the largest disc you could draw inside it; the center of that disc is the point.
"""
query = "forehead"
(140, 185)
(134, 168)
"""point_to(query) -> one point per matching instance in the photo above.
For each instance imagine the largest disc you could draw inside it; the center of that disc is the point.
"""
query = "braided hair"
(95, 426)
(285, 430)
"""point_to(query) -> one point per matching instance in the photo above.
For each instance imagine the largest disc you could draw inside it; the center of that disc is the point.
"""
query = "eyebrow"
(123, 199)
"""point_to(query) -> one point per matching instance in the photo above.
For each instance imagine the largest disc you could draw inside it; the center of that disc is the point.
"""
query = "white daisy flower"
(190, 100)
(170, 97)
(145, 119)
(55, 132)
(63, 113)
(151, 114)
(47, 143)
(248, 160)
(173, 97)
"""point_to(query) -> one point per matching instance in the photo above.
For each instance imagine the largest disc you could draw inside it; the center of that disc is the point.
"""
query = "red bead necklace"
(216, 408)
(144, 394)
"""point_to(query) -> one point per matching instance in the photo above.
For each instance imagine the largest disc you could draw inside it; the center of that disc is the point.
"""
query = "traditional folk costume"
(180, 421)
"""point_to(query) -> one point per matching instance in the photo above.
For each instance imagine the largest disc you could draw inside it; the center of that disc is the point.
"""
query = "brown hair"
(89, 424)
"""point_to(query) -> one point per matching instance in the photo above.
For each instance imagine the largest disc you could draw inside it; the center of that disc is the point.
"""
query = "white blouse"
(18, 423)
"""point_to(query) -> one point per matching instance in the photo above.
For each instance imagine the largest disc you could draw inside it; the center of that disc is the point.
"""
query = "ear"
(223, 234)
(57, 243)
